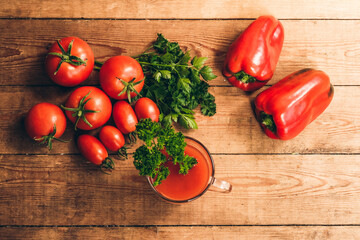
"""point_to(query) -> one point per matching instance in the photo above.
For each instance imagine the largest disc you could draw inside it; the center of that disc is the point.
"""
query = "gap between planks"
(178, 19)
(148, 226)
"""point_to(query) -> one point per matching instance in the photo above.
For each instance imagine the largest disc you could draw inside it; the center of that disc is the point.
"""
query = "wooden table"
(305, 188)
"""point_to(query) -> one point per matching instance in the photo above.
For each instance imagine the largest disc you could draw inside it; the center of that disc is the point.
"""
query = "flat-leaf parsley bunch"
(149, 158)
(174, 84)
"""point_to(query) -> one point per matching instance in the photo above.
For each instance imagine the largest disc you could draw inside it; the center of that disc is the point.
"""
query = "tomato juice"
(179, 187)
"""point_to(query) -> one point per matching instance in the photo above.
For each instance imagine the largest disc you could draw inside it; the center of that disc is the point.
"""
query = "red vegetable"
(113, 140)
(146, 108)
(286, 108)
(69, 61)
(88, 108)
(121, 77)
(252, 57)
(93, 150)
(125, 119)
(45, 122)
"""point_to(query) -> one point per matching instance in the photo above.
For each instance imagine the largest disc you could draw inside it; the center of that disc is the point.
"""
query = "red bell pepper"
(252, 57)
(286, 108)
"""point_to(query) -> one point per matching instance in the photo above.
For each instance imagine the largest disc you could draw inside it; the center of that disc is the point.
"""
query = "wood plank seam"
(176, 19)
(327, 52)
(183, 225)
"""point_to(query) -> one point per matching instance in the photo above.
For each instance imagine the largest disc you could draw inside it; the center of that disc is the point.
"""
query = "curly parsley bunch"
(175, 85)
(149, 158)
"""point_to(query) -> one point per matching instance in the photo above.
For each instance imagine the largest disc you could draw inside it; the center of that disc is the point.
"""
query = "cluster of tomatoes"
(70, 62)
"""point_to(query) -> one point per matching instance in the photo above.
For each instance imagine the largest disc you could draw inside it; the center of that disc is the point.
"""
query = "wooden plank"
(223, 232)
(233, 129)
(169, 9)
(332, 46)
(267, 189)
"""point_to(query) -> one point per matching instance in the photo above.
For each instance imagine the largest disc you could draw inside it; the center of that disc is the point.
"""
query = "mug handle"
(220, 186)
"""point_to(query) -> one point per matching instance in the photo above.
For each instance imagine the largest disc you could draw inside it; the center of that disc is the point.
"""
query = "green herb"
(149, 158)
(175, 85)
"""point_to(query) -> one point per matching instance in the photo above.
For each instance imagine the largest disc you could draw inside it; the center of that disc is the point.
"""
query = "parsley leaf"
(149, 158)
(165, 74)
(185, 84)
(175, 84)
(206, 73)
(198, 62)
(186, 58)
(188, 121)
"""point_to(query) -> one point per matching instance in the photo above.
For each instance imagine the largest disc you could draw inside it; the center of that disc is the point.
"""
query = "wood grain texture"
(267, 189)
(224, 9)
(332, 46)
(233, 129)
(177, 233)
(309, 181)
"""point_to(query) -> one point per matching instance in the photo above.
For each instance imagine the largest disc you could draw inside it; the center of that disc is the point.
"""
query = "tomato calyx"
(66, 56)
(80, 111)
(107, 165)
(122, 153)
(49, 138)
(98, 65)
(132, 137)
(129, 87)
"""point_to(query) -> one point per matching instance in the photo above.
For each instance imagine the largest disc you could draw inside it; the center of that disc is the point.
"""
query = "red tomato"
(146, 108)
(113, 140)
(121, 77)
(88, 108)
(69, 67)
(125, 118)
(45, 122)
(93, 150)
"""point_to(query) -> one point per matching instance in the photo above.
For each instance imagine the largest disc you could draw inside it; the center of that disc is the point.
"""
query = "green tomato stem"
(98, 65)
(129, 87)
(122, 153)
(107, 165)
(80, 111)
(67, 57)
(132, 137)
(48, 139)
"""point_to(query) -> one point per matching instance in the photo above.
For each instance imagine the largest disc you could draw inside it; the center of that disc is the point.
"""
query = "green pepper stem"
(268, 121)
(244, 77)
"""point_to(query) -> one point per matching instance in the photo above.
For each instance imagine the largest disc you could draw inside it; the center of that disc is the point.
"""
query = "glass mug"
(178, 188)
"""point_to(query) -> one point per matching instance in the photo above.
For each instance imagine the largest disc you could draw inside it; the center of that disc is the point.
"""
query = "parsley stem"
(144, 53)
(165, 65)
